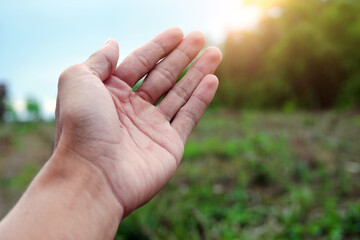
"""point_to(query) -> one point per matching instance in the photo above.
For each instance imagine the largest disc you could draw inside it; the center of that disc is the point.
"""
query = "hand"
(136, 146)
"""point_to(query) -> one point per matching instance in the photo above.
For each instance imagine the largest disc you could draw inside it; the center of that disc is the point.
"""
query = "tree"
(33, 109)
(307, 55)
(2, 101)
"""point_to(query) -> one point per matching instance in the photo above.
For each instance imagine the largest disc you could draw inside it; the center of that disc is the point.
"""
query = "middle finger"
(165, 74)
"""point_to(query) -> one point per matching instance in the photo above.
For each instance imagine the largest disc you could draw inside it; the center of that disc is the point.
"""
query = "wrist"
(82, 177)
(69, 199)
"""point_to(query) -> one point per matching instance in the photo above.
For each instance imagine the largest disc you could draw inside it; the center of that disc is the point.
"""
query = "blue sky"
(39, 38)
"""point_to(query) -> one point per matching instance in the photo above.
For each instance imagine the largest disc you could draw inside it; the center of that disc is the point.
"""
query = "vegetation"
(33, 109)
(2, 101)
(245, 175)
(249, 174)
(304, 56)
(264, 176)
(24, 148)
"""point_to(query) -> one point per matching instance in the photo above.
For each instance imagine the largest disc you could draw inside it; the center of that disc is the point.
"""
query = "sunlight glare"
(230, 15)
(241, 17)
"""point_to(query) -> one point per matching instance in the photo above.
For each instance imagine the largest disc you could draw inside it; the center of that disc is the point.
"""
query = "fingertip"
(176, 31)
(111, 42)
(103, 62)
(197, 37)
(214, 54)
(207, 88)
(173, 34)
(169, 39)
(108, 41)
(211, 81)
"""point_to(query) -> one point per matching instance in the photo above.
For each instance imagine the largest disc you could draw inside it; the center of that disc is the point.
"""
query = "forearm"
(69, 199)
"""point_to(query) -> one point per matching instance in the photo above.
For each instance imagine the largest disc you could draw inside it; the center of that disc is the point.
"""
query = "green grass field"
(244, 175)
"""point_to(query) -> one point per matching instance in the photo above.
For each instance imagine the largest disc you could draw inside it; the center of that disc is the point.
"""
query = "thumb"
(80, 92)
(103, 62)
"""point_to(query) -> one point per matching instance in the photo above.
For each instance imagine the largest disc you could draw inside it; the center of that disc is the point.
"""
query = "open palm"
(136, 145)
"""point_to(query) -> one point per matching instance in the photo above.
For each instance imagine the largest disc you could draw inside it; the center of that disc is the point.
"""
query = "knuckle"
(144, 61)
(190, 116)
(159, 47)
(185, 54)
(141, 58)
(166, 74)
(145, 94)
(201, 70)
(201, 100)
(181, 92)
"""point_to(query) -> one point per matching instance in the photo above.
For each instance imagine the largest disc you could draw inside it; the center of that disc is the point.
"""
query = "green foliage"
(22, 180)
(244, 175)
(137, 85)
(33, 109)
(2, 102)
(350, 95)
(307, 56)
(10, 112)
(274, 176)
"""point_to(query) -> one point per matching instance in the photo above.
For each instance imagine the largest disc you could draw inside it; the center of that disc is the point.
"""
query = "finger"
(180, 93)
(142, 60)
(103, 62)
(165, 74)
(76, 87)
(189, 115)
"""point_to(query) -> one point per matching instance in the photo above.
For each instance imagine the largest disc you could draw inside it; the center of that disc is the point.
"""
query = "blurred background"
(277, 155)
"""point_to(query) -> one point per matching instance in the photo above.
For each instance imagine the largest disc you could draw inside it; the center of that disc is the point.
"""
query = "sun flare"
(230, 15)
(240, 17)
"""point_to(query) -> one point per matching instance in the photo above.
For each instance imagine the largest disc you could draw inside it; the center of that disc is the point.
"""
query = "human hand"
(136, 146)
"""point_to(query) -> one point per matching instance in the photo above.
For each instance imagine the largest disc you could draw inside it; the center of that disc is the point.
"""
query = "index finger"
(143, 59)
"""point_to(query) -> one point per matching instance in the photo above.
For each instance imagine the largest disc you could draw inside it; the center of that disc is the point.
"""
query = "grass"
(250, 175)
(244, 175)
(24, 148)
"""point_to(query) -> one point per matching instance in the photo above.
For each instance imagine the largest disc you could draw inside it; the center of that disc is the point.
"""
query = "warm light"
(230, 15)
(241, 17)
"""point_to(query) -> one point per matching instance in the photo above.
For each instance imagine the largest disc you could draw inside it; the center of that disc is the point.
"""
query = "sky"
(41, 38)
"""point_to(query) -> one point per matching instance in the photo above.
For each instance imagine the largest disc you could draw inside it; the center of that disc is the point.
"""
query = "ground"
(244, 175)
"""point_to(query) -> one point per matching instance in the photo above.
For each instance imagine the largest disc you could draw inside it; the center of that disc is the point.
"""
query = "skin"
(114, 149)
